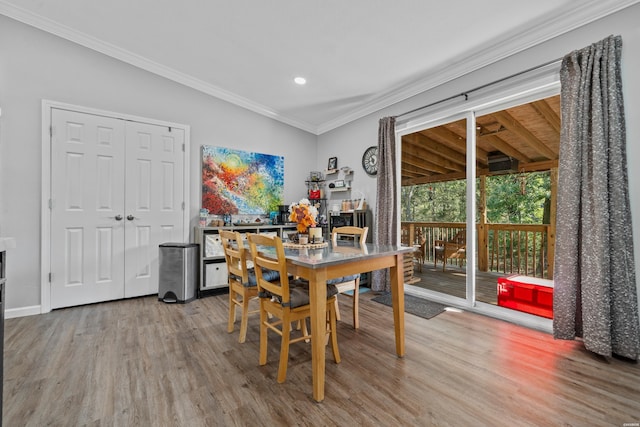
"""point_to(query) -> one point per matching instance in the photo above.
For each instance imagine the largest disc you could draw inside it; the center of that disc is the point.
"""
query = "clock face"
(370, 160)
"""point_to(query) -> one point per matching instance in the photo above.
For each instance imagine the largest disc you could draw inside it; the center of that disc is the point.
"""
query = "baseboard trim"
(22, 312)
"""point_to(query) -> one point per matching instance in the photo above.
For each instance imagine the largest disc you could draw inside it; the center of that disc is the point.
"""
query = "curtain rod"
(466, 93)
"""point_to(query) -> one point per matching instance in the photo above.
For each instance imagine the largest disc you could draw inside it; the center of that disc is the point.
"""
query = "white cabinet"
(213, 268)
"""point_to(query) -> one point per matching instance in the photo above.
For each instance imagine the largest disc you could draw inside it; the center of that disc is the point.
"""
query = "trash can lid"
(178, 245)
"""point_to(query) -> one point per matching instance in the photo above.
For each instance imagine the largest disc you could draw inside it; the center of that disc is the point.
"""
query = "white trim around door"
(46, 196)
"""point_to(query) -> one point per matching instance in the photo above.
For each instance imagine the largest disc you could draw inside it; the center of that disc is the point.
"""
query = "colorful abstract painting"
(241, 182)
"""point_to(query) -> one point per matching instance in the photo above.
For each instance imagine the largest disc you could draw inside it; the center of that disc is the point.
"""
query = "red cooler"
(527, 294)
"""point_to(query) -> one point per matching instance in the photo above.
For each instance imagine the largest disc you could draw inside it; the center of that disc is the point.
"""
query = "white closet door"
(87, 182)
(154, 201)
(117, 194)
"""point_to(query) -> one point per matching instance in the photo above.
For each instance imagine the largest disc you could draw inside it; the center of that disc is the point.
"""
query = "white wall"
(35, 65)
(350, 141)
(348, 144)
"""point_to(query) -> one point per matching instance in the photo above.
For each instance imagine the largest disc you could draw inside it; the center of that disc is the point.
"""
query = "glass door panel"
(434, 207)
(514, 194)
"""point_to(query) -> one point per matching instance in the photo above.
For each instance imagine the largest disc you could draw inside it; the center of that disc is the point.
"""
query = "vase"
(303, 239)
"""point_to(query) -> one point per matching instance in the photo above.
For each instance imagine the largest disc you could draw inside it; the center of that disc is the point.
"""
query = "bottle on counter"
(204, 217)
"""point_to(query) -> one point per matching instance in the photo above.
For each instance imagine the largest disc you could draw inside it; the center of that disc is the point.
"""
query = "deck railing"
(505, 248)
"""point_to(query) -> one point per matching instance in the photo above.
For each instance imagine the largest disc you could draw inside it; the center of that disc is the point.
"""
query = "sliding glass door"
(478, 203)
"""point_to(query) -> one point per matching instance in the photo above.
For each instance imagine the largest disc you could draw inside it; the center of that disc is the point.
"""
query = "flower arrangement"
(304, 214)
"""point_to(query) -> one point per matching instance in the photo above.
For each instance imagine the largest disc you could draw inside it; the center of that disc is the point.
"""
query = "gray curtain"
(386, 232)
(595, 285)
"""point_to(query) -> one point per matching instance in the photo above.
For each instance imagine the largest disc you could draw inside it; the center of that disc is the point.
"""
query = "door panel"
(117, 194)
(104, 261)
(87, 180)
(154, 201)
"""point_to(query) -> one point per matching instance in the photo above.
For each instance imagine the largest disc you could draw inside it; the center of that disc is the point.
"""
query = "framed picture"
(241, 182)
(333, 163)
(315, 176)
(339, 183)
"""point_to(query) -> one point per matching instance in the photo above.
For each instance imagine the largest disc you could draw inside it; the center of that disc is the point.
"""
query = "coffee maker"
(283, 214)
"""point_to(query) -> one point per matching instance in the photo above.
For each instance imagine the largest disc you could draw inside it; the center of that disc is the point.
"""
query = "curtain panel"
(595, 294)
(386, 232)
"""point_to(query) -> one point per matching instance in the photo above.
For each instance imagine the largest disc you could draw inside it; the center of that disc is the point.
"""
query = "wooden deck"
(453, 281)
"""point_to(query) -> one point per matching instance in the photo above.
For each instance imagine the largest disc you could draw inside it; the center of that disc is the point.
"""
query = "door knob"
(118, 217)
(131, 217)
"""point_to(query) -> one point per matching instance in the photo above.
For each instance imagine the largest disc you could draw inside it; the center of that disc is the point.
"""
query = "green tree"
(517, 198)
(435, 202)
(512, 198)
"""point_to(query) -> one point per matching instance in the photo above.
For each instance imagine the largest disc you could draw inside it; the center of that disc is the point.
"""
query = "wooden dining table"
(343, 259)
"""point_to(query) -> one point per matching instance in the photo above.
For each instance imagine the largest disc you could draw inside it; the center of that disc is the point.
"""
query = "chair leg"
(301, 325)
(333, 325)
(244, 318)
(356, 298)
(284, 350)
(337, 309)
(263, 335)
(232, 311)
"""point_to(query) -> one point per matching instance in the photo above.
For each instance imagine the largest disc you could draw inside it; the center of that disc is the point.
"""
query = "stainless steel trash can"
(178, 278)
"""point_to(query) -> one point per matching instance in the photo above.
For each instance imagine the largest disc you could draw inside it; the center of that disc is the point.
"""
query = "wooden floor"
(452, 281)
(141, 362)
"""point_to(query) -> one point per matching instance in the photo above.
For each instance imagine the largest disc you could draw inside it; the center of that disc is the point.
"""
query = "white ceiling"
(357, 55)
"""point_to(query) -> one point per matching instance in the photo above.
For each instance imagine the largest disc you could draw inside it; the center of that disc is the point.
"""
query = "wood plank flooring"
(452, 281)
(141, 362)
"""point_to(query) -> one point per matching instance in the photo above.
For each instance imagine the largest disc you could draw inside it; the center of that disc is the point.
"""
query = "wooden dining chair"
(455, 248)
(242, 280)
(357, 235)
(285, 300)
(419, 253)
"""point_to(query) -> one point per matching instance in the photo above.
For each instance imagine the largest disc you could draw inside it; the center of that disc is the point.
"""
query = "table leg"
(397, 297)
(318, 303)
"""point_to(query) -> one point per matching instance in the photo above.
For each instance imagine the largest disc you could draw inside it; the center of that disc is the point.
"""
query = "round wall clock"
(370, 160)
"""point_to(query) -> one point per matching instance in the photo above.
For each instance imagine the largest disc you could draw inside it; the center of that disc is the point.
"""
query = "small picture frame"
(315, 176)
(339, 183)
(333, 163)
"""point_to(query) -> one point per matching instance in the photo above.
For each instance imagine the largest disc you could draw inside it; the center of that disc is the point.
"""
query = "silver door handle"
(118, 217)
(131, 217)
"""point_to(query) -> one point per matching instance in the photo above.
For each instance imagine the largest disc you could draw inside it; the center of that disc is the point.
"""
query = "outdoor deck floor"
(452, 281)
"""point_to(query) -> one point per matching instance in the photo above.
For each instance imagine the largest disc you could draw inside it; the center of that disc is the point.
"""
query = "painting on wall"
(241, 182)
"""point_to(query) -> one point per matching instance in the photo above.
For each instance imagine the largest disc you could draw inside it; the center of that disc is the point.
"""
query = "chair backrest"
(359, 234)
(235, 254)
(268, 254)
(423, 241)
(460, 238)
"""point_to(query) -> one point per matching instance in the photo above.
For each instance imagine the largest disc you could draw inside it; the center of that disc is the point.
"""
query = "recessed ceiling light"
(300, 80)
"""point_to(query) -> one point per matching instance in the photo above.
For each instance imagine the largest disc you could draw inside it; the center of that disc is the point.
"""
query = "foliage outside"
(511, 199)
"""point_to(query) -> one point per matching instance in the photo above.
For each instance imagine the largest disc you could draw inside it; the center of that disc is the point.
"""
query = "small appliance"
(283, 215)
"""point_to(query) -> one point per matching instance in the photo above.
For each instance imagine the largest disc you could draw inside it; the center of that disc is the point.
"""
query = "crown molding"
(570, 18)
(62, 31)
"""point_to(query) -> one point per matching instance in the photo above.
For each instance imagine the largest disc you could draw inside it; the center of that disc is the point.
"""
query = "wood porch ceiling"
(528, 132)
